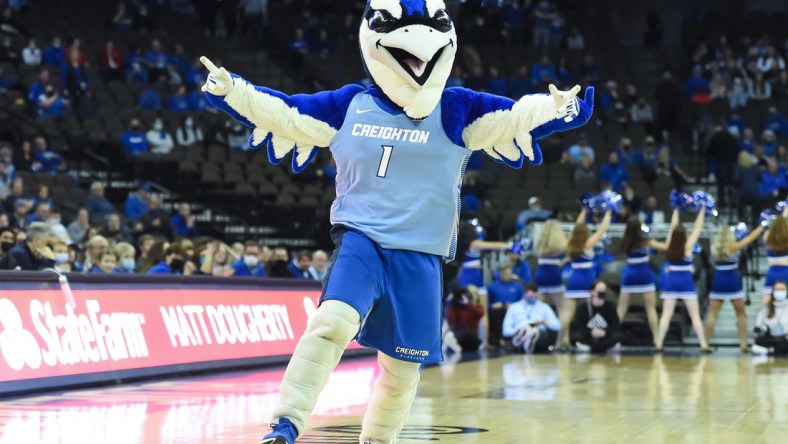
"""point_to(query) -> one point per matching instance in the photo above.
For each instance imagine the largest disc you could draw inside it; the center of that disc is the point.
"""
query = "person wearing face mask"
(772, 323)
(173, 262)
(249, 264)
(531, 324)
(238, 137)
(188, 134)
(62, 263)
(159, 140)
(133, 140)
(32, 254)
(596, 327)
(125, 252)
(6, 240)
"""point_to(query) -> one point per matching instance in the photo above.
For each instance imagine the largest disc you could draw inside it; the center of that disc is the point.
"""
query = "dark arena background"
(156, 272)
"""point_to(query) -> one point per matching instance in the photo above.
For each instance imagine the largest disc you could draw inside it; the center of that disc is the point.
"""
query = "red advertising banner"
(48, 333)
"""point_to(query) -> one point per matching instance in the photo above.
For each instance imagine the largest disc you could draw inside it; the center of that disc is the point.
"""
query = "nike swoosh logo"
(362, 111)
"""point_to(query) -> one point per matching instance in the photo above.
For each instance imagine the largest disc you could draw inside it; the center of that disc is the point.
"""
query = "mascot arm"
(303, 122)
(507, 130)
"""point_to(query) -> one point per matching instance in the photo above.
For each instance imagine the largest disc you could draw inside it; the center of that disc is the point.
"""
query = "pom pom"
(767, 217)
(740, 231)
(645, 230)
(701, 198)
(585, 201)
(521, 246)
(607, 201)
(696, 249)
(481, 233)
(601, 247)
(681, 201)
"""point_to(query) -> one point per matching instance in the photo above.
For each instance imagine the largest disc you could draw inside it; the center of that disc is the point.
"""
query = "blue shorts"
(397, 293)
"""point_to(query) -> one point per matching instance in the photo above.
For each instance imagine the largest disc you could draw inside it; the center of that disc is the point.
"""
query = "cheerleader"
(637, 277)
(550, 250)
(679, 282)
(777, 251)
(580, 249)
(727, 283)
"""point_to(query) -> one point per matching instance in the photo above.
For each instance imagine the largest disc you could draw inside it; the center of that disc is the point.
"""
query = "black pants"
(546, 340)
(778, 343)
(597, 345)
(724, 179)
(496, 316)
(468, 340)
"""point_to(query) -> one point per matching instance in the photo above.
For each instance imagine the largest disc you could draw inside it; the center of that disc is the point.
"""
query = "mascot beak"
(416, 48)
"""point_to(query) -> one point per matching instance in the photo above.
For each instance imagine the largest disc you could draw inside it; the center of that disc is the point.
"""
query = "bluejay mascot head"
(408, 48)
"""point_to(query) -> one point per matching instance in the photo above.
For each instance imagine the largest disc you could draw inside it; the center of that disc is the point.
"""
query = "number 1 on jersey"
(384, 160)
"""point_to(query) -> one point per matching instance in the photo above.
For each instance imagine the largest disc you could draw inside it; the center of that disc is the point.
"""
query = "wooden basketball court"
(723, 398)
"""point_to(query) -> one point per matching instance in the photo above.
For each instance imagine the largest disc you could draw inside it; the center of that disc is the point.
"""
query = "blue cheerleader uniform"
(775, 272)
(727, 284)
(581, 277)
(548, 274)
(678, 281)
(637, 277)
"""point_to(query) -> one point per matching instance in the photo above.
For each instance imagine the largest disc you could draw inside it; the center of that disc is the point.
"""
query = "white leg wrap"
(391, 400)
(328, 334)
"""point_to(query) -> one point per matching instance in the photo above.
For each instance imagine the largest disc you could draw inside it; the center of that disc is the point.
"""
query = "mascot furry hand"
(408, 48)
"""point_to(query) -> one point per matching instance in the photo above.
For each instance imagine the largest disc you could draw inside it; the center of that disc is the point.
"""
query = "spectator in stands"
(595, 326)
(40, 214)
(55, 54)
(773, 185)
(42, 195)
(62, 263)
(265, 255)
(249, 264)
(107, 263)
(531, 324)
(544, 14)
(195, 75)
(238, 137)
(97, 205)
(38, 88)
(299, 267)
(114, 230)
(769, 143)
(738, 93)
(31, 55)
(34, 253)
(50, 104)
(667, 166)
(93, 248)
(775, 122)
(137, 72)
(46, 161)
(585, 172)
(133, 140)
(747, 141)
(723, 151)
(17, 192)
(535, 212)
(55, 223)
(173, 262)
(696, 83)
(299, 45)
(122, 20)
(319, 265)
(79, 226)
(197, 102)
(111, 63)
(155, 221)
(575, 39)
(126, 257)
(760, 88)
(178, 101)
(188, 134)
(780, 86)
(5, 182)
(771, 327)
(18, 218)
(278, 267)
(501, 294)
(144, 244)
(159, 140)
(137, 202)
(76, 84)
(215, 261)
(641, 112)
(520, 84)
(575, 153)
(183, 222)
(156, 60)
(543, 73)
(667, 95)
(150, 99)
(614, 173)
(769, 63)
(7, 239)
(7, 157)
(8, 52)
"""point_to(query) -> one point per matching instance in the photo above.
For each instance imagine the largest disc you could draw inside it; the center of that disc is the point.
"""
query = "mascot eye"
(380, 21)
(441, 21)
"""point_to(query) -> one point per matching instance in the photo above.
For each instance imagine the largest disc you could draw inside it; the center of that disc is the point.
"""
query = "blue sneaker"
(282, 432)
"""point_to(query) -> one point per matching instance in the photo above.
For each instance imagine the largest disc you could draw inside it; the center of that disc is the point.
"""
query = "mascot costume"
(401, 147)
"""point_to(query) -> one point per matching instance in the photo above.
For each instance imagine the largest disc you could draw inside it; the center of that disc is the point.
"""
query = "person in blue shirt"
(500, 295)
(769, 143)
(37, 88)
(773, 182)
(49, 162)
(614, 173)
(747, 141)
(50, 104)
(197, 102)
(178, 101)
(156, 60)
(575, 153)
(775, 122)
(195, 75)
(299, 266)
(133, 139)
(183, 222)
(107, 263)
(55, 54)
(173, 262)
(696, 83)
(249, 264)
(137, 203)
(137, 72)
(97, 205)
(531, 324)
(543, 72)
(149, 99)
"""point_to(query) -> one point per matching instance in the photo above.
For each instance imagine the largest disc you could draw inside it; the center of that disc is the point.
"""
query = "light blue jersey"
(398, 180)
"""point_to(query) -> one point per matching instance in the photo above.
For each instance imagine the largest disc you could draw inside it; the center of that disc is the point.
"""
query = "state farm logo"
(17, 345)
(70, 338)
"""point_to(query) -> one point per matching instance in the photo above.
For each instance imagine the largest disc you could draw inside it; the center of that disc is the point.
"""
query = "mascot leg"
(391, 400)
(329, 332)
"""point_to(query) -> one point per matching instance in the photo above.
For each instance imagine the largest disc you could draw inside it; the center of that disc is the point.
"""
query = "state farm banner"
(73, 330)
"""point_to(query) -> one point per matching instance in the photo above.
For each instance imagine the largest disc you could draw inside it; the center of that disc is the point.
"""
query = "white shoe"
(759, 350)
(614, 350)
(582, 348)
